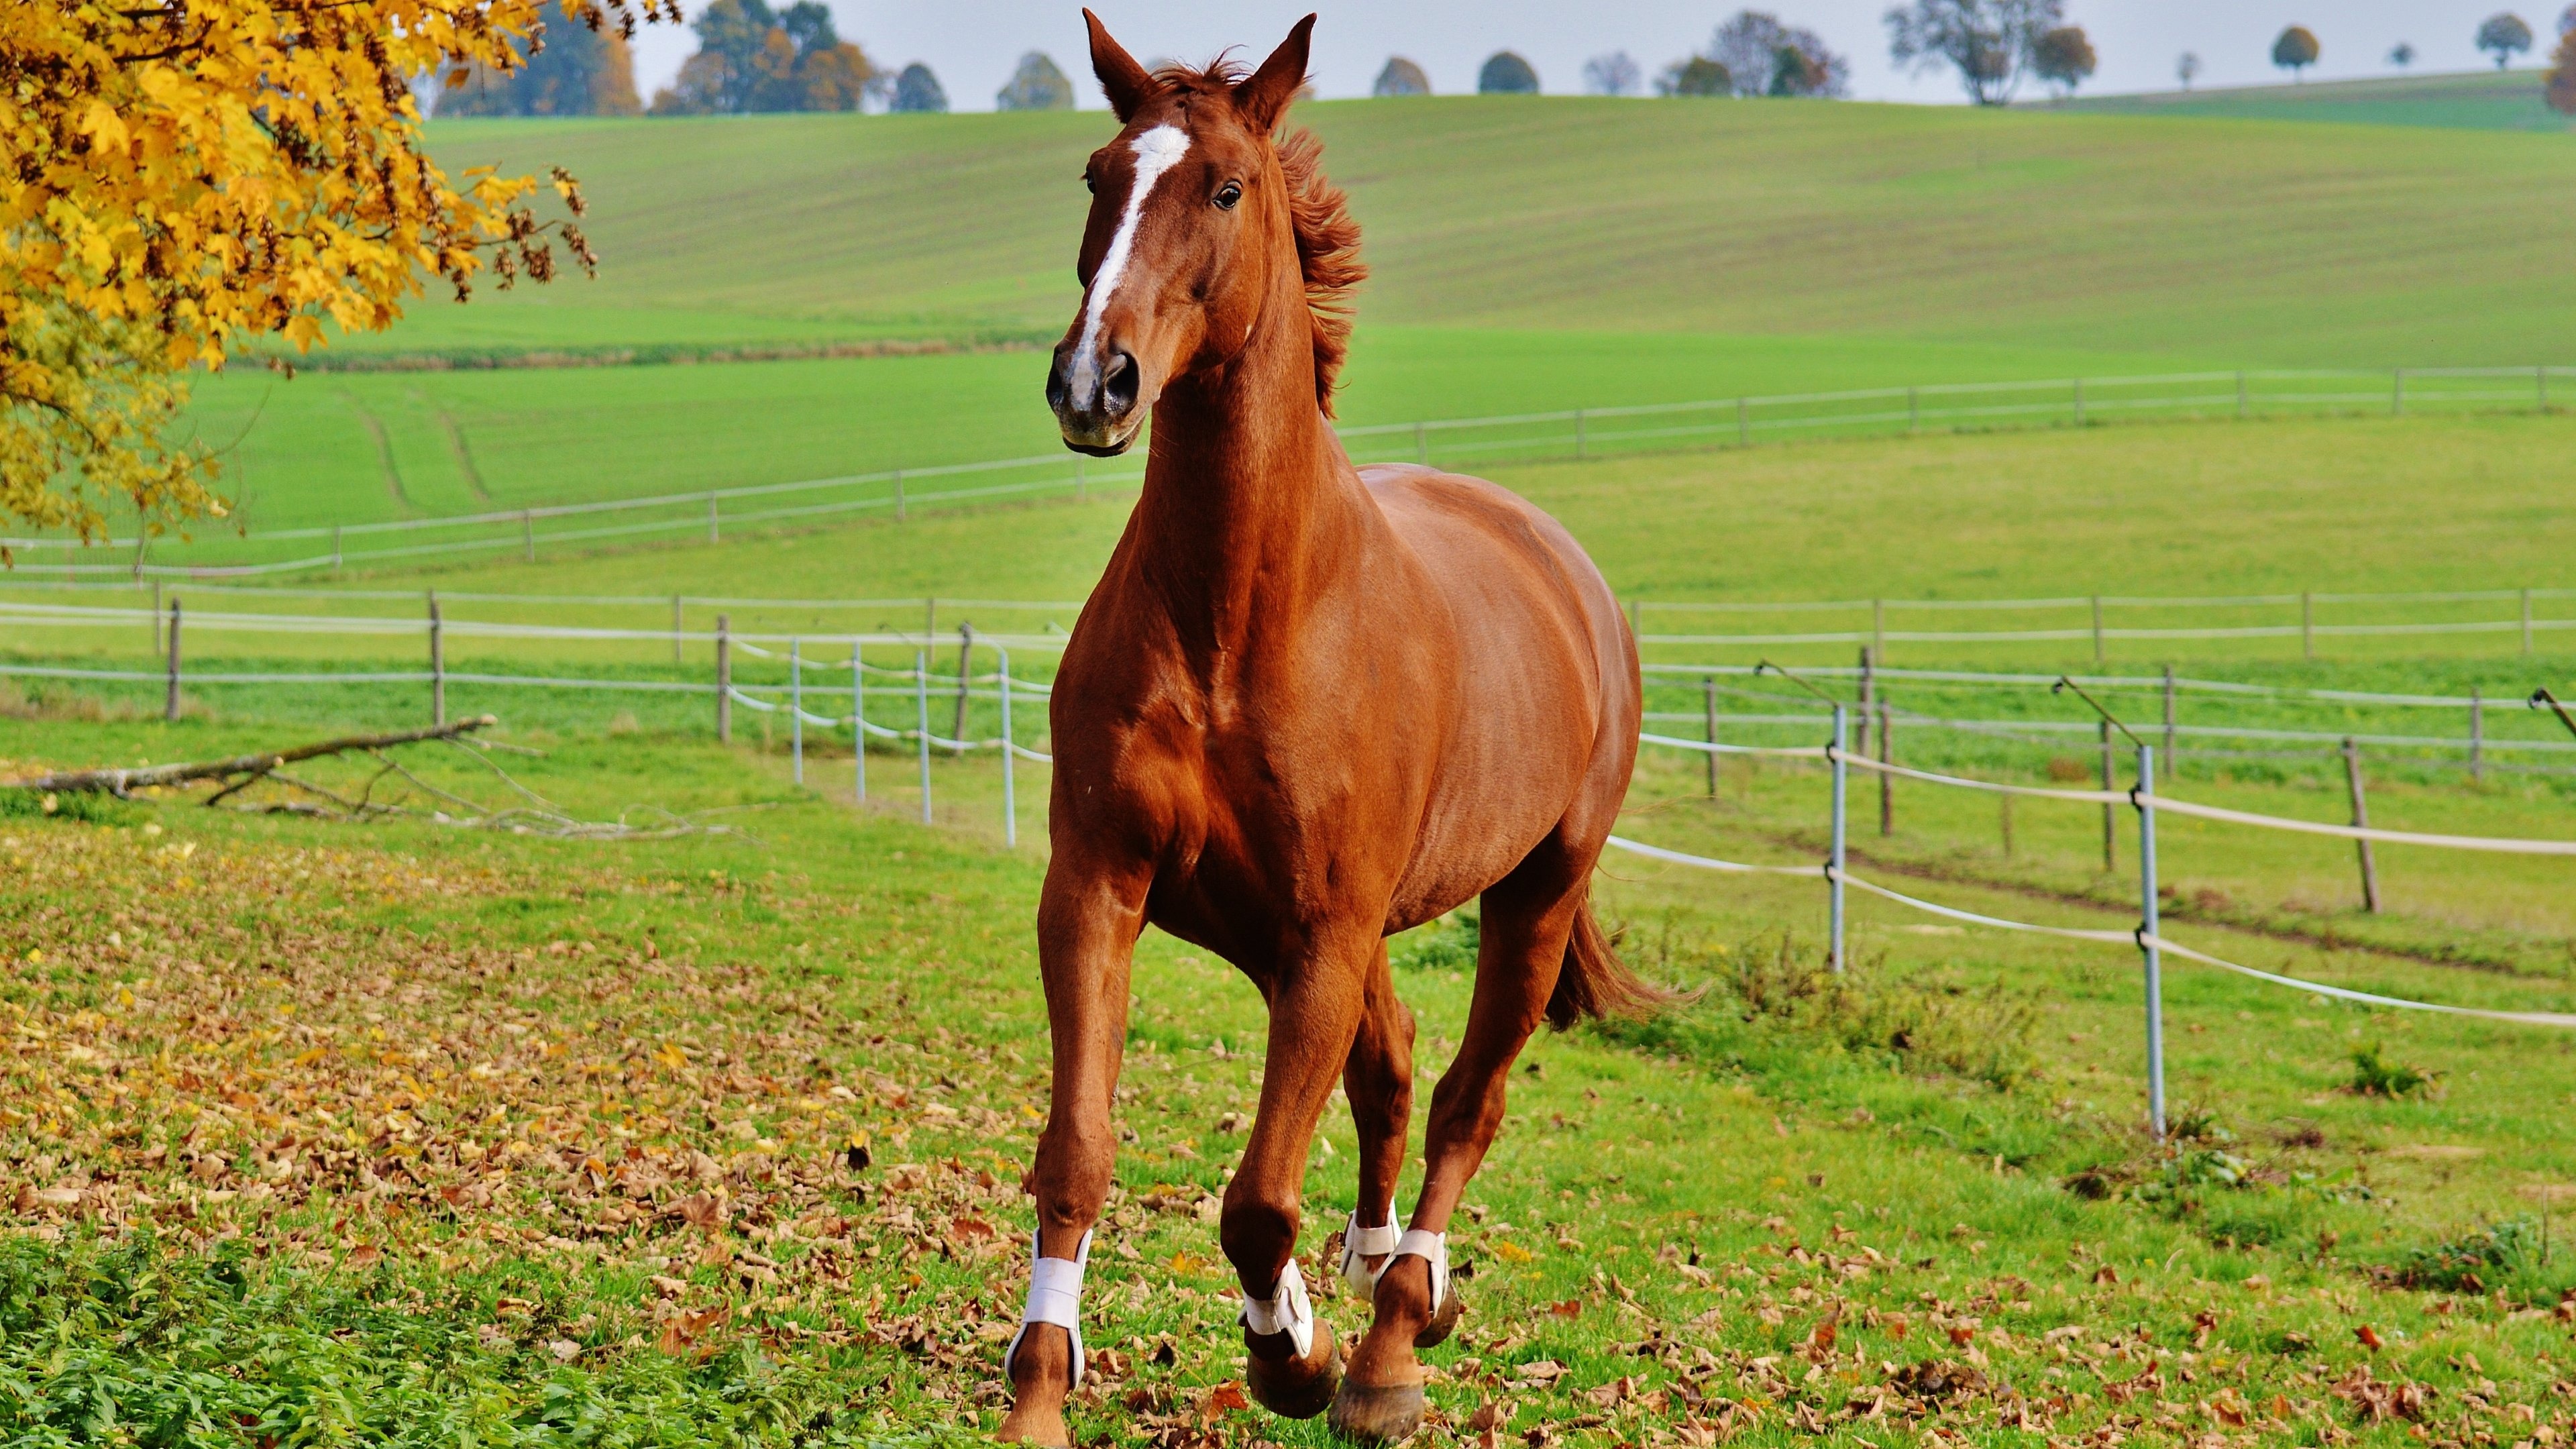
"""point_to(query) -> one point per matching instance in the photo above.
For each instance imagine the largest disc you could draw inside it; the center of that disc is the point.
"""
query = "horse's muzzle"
(1095, 406)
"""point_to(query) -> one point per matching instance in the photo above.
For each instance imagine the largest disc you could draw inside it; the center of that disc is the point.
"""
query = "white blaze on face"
(1156, 152)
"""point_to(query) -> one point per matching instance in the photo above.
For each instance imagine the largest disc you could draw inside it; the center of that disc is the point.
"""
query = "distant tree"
(2295, 51)
(1989, 42)
(1615, 74)
(1749, 47)
(1036, 86)
(1506, 74)
(2402, 55)
(1401, 78)
(2562, 75)
(916, 89)
(752, 58)
(2567, 21)
(2063, 57)
(572, 70)
(1697, 76)
(2187, 68)
(2504, 36)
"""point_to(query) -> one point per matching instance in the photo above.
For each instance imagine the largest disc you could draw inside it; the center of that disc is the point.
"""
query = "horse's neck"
(1249, 507)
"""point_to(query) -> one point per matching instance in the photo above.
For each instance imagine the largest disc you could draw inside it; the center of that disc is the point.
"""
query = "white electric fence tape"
(1055, 1296)
(2360, 832)
(1657, 852)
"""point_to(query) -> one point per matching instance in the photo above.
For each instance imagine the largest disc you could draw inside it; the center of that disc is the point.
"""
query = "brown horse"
(1307, 707)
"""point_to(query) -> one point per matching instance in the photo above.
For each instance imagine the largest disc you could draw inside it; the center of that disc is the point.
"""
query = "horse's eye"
(1227, 195)
(1090, 185)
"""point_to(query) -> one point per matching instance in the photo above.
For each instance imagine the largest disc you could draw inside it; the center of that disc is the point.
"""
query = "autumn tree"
(2504, 35)
(186, 177)
(1990, 43)
(2296, 50)
(1401, 77)
(2562, 74)
(1697, 76)
(2063, 57)
(1037, 85)
(572, 70)
(751, 59)
(1749, 47)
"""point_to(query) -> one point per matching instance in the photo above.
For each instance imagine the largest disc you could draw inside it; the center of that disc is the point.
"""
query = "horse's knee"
(1071, 1180)
(1258, 1238)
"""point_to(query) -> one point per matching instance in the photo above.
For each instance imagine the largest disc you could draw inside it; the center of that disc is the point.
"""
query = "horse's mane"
(1328, 240)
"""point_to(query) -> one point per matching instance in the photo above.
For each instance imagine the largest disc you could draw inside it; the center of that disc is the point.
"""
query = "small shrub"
(2069, 770)
(2492, 1254)
(2374, 1075)
(83, 806)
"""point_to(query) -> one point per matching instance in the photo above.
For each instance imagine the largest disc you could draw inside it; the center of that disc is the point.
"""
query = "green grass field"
(2482, 100)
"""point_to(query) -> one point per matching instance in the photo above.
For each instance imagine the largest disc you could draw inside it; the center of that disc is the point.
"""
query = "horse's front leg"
(1088, 921)
(1293, 1362)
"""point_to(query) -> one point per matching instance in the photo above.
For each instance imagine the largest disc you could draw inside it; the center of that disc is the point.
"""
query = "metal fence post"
(1834, 868)
(796, 706)
(2361, 821)
(170, 706)
(1010, 795)
(2149, 933)
(724, 679)
(2477, 734)
(921, 703)
(2110, 812)
(858, 727)
(1708, 700)
(437, 662)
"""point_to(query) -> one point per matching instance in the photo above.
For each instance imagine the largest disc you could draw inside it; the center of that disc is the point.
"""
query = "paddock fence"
(1577, 433)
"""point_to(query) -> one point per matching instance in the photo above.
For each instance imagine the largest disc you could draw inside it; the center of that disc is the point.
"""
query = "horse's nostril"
(1118, 385)
(1057, 384)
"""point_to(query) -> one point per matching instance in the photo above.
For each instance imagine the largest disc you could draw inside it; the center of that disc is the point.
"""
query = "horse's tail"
(1595, 982)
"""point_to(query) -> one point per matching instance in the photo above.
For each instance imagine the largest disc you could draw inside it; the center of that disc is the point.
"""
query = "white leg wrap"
(1432, 1248)
(1360, 1244)
(1055, 1296)
(1287, 1310)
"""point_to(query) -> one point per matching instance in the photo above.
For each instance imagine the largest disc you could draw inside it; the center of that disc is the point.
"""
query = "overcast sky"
(973, 44)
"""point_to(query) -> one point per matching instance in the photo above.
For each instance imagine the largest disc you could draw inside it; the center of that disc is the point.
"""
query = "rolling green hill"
(2482, 100)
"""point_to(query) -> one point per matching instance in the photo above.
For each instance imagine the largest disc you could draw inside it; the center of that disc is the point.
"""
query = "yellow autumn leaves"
(183, 178)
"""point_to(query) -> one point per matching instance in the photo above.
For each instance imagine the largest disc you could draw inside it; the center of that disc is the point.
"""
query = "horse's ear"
(1263, 96)
(1121, 78)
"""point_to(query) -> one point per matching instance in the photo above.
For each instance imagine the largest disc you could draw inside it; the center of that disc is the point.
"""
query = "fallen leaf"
(2369, 1337)
(1226, 1398)
(1570, 1308)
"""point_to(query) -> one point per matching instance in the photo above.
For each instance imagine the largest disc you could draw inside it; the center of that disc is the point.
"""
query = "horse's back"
(1547, 685)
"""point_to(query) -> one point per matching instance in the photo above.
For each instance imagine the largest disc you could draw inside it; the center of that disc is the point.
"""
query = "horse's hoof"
(1377, 1415)
(1044, 1428)
(1297, 1388)
(1438, 1329)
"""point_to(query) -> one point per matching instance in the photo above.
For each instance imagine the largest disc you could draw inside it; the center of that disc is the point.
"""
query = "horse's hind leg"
(1527, 919)
(1379, 1081)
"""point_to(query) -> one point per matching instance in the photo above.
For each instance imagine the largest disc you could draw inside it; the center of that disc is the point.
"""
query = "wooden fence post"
(2307, 626)
(675, 628)
(1868, 698)
(2097, 628)
(965, 657)
(2397, 393)
(1578, 435)
(1708, 700)
(2110, 813)
(2477, 734)
(170, 706)
(2361, 820)
(528, 531)
(2007, 816)
(1913, 410)
(715, 532)
(898, 495)
(724, 679)
(2169, 720)
(1886, 756)
(437, 663)
(1743, 423)
(2079, 402)
(2240, 397)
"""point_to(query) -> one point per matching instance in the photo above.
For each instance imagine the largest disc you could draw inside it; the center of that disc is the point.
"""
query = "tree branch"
(120, 782)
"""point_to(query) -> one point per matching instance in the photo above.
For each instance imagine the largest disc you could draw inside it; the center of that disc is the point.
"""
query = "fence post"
(170, 706)
(437, 662)
(1010, 798)
(2397, 393)
(1708, 700)
(1886, 756)
(929, 618)
(858, 728)
(2361, 820)
(965, 652)
(1421, 445)
(1868, 695)
(2149, 932)
(1578, 435)
(675, 628)
(1743, 423)
(1834, 866)
(1878, 630)
(2110, 812)
(2477, 734)
(898, 495)
(2540, 385)
(2307, 626)
(528, 531)
(1913, 410)
(2079, 402)
(2097, 628)
(335, 548)
(724, 679)
(2007, 818)
(796, 706)
(2240, 397)
(921, 711)
(2169, 717)
(715, 530)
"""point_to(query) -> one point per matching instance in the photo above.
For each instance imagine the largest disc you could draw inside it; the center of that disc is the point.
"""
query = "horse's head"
(1190, 226)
